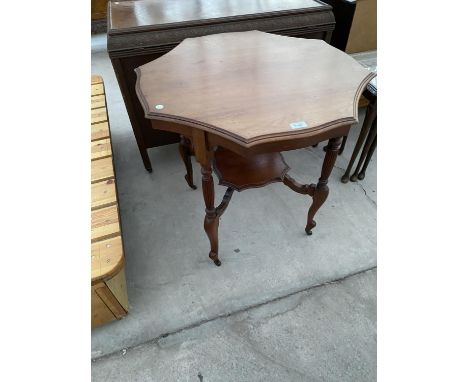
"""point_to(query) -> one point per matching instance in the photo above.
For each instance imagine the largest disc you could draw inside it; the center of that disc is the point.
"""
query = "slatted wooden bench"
(109, 299)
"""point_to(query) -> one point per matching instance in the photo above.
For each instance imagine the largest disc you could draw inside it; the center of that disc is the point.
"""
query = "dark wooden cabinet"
(344, 13)
(142, 30)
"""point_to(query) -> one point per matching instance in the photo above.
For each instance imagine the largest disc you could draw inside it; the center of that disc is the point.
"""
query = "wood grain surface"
(160, 13)
(242, 173)
(102, 169)
(106, 244)
(99, 130)
(252, 87)
(101, 149)
(104, 223)
(103, 194)
(106, 257)
(109, 299)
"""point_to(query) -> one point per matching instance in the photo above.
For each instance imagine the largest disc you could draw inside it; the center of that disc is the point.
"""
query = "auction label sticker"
(298, 125)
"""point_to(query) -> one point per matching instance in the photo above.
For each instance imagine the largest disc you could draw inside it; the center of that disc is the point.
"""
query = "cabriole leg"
(211, 221)
(321, 189)
(185, 152)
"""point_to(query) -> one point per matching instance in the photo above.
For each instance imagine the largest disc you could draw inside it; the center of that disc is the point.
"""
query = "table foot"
(308, 227)
(145, 157)
(321, 190)
(190, 182)
(214, 256)
(213, 214)
(319, 198)
(345, 179)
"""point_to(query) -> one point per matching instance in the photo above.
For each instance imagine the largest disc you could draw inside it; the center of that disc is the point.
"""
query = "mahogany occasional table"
(239, 99)
(140, 31)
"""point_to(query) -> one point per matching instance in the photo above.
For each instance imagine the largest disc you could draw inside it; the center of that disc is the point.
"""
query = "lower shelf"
(241, 173)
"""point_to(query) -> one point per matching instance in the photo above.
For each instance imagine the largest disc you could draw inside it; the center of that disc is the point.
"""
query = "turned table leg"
(321, 189)
(213, 214)
(211, 221)
(342, 147)
(362, 173)
(185, 153)
(371, 114)
(370, 139)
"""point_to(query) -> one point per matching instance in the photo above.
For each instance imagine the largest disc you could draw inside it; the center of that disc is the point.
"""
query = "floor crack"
(365, 193)
(254, 347)
(226, 315)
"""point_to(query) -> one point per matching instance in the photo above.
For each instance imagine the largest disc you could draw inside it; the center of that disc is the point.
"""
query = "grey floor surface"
(325, 334)
(173, 285)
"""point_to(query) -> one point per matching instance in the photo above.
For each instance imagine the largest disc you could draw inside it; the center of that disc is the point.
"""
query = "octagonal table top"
(251, 87)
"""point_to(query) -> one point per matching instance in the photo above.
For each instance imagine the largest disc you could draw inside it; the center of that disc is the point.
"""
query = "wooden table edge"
(263, 139)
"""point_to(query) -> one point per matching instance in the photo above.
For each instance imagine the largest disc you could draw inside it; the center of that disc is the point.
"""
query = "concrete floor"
(173, 285)
(325, 334)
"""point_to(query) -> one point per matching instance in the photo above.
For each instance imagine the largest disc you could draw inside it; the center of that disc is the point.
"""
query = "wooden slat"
(100, 313)
(102, 169)
(103, 194)
(97, 89)
(95, 79)
(98, 101)
(109, 300)
(104, 223)
(100, 131)
(107, 259)
(101, 149)
(118, 286)
(112, 303)
(98, 115)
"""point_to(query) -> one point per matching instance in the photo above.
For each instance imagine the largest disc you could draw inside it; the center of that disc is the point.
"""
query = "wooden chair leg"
(371, 114)
(321, 190)
(185, 153)
(362, 173)
(365, 150)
